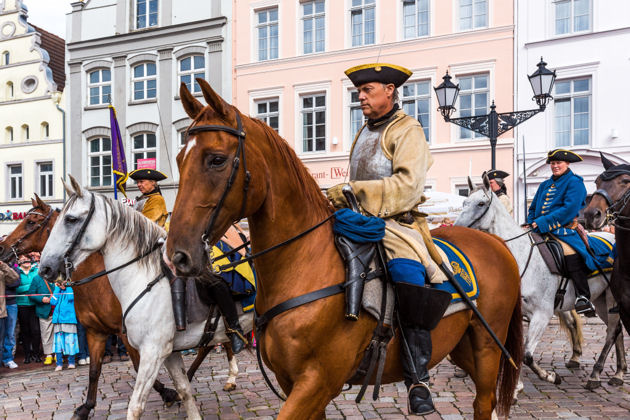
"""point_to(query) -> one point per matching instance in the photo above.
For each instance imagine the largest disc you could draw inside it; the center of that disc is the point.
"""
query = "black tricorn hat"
(151, 174)
(563, 155)
(496, 173)
(378, 72)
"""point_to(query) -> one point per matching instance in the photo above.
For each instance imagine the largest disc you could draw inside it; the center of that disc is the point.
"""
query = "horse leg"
(622, 366)
(537, 325)
(169, 396)
(486, 359)
(230, 384)
(202, 352)
(148, 368)
(612, 332)
(572, 324)
(307, 397)
(96, 346)
(175, 366)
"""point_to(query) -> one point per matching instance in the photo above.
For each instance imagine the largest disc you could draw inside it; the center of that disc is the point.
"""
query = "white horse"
(92, 222)
(483, 210)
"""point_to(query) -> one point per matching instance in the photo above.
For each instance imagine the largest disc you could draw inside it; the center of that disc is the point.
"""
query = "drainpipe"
(63, 113)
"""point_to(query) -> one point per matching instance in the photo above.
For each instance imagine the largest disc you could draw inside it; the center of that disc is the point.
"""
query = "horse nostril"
(181, 260)
(44, 271)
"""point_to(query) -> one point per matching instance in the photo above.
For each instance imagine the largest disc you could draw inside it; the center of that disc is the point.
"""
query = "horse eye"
(481, 204)
(71, 219)
(214, 161)
(30, 222)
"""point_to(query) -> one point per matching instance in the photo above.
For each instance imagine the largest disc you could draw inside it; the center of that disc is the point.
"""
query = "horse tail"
(508, 376)
(576, 320)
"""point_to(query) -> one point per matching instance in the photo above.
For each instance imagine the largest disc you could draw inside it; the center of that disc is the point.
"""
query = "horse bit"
(611, 214)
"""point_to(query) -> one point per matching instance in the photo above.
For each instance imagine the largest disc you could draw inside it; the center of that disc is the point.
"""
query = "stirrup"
(427, 405)
(584, 306)
(234, 334)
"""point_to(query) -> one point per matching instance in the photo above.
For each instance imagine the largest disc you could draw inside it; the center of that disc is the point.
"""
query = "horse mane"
(298, 174)
(132, 227)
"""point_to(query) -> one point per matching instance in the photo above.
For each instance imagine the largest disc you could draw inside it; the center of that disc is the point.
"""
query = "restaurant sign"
(9, 216)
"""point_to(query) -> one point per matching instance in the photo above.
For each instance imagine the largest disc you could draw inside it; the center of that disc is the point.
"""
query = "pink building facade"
(290, 56)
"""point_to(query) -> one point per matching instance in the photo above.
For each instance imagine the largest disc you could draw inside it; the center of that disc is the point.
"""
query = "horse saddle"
(552, 252)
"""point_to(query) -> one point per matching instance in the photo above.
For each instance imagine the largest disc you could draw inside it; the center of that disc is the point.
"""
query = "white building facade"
(135, 53)
(32, 82)
(586, 42)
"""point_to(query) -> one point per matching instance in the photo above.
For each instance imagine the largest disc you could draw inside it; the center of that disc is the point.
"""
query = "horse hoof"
(615, 382)
(169, 396)
(554, 378)
(572, 364)
(591, 385)
(460, 373)
(229, 387)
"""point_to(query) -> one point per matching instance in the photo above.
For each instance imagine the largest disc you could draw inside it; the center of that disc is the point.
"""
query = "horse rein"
(482, 214)
(69, 266)
(16, 245)
(239, 133)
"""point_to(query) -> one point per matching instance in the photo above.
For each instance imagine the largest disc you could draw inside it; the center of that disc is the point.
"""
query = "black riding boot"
(178, 296)
(222, 295)
(578, 272)
(420, 309)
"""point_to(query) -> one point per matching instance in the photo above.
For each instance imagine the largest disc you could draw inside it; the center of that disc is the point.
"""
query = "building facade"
(135, 54)
(290, 58)
(32, 80)
(585, 42)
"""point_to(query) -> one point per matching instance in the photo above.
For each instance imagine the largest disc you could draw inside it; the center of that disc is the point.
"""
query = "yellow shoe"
(48, 360)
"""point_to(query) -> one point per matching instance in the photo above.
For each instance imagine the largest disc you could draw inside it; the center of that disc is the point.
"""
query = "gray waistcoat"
(140, 202)
(368, 161)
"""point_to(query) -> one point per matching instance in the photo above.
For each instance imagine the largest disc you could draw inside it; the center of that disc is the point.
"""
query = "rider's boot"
(578, 273)
(178, 297)
(416, 326)
(222, 295)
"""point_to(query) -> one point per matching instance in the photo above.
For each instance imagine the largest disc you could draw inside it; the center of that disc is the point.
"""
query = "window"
(9, 90)
(146, 13)
(473, 100)
(182, 140)
(267, 111)
(100, 87)
(144, 147)
(144, 81)
(357, 119)
(45, 179)
(416, 100)
(100, 158)
(362, 22)
(313, 22)
(572, 112)
(15, 182)
(314, 123)
(462, 190)
(473, 14)
(415, 18)
(191, 68)
(26, 132)
(6, 58)
(572, 16)
(8, 134)
(45, 130)
(267, 29)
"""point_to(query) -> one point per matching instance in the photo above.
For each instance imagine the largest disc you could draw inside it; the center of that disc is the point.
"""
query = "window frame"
(403, 34)
(571, 18)
(571, 96)
(19, 183)
(362, 8)
(6, 58)
(194, 87)
(268, 114)
(100, 85)
(267, 24)
(147, 14)
(26, 132)
(458, 16)
(45, 130)
(352, 106)
(144, 79)
(9, 134)
(145, 150)
(416, 97)
(313, 110)
(101, 154)
(313, 18)
(49, 181)
(488, 90)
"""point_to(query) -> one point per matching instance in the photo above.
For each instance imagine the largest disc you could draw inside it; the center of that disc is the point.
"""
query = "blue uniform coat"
(556, 203)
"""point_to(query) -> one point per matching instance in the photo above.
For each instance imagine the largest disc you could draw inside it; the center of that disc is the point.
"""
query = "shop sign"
(9, 216)
(330, 174)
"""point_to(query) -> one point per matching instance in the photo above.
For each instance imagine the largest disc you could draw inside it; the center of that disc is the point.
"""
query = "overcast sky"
(49, 14)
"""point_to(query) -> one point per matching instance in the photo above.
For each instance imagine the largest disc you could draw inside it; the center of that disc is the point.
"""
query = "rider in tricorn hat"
(150, 203)
(496, 178)
(388, 165)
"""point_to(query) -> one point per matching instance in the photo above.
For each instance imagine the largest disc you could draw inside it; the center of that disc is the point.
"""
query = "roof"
(56, 48)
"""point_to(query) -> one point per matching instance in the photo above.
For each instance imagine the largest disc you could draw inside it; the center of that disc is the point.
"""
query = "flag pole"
(109, 97)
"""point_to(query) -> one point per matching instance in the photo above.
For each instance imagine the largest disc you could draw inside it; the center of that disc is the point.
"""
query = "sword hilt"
(350, 197)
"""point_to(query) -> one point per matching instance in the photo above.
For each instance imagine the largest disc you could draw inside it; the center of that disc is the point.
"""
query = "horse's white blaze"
(191, 143)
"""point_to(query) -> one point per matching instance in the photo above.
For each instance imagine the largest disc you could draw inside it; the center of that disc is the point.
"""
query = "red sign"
(148, 163)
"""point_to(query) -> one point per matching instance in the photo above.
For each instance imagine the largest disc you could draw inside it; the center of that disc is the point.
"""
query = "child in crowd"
(64, 326)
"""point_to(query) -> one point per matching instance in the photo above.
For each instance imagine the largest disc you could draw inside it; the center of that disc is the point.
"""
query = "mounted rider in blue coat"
(554, 210)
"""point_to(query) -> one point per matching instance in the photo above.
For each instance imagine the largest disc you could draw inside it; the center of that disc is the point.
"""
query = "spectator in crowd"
(29, 324)
(65, 326)
(40, 293)
(84, 353)
(113, 341)
(8, 280)
(8, 343)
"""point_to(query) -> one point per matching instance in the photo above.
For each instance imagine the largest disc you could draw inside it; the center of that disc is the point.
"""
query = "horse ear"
(215, 101)
(607, 163)
(471, 186)
(191, 105)
(38, 201)
(67, 187)
(76, 186)
(486, 182)
(34, 201)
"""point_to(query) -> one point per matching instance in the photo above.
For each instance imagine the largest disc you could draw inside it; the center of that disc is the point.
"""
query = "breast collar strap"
(239, 133)
(69, 266)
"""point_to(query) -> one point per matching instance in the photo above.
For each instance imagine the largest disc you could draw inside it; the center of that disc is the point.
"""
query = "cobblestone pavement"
(44, 393)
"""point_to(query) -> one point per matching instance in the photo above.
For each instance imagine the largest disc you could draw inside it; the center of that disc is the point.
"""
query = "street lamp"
(494, 124)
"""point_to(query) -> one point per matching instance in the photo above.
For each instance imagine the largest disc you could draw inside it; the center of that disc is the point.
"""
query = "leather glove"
(336, 197)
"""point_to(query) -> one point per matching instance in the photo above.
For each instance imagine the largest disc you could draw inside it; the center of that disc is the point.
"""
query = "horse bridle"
(483, 213)
(239, 133)
(15, 246)
(69, 266)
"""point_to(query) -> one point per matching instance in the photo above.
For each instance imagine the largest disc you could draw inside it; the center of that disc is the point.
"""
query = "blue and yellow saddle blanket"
(241, 279)
(604, 252)
(462, 269)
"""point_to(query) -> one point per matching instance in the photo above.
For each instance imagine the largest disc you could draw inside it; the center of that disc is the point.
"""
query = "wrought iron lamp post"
(494, 124)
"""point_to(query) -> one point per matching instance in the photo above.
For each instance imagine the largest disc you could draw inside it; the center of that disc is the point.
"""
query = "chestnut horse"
(312, 349)
(96, 306)
(611, 201)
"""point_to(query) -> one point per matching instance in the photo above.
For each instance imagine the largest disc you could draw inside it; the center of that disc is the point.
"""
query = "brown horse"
(312, 349)
(96, 306)
(613, 197)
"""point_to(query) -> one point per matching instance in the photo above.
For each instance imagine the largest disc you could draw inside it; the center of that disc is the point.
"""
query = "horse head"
(478, 212)
(73, 238)
(611, 185)
(31, 233)
(220, 157)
